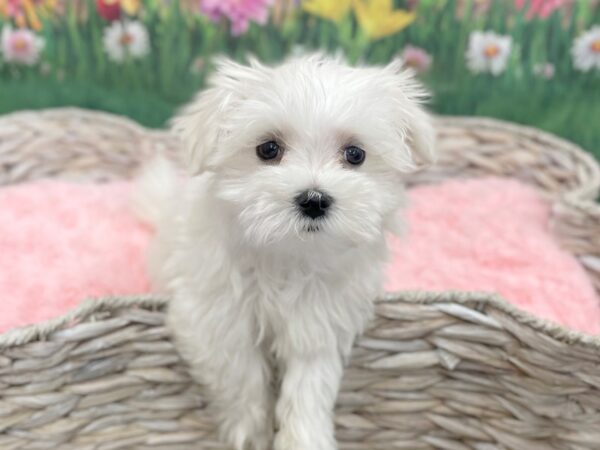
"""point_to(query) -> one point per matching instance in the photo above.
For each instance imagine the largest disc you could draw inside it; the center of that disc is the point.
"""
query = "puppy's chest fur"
(299, 302)
(292, 298)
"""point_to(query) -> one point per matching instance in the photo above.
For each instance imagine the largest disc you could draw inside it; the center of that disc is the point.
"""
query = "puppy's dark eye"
(268, 150)
(354, 155)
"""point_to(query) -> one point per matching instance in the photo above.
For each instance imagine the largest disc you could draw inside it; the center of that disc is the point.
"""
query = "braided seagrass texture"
(451, 371)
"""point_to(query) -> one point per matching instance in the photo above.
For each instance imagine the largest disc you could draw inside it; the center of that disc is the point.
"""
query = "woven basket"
(450, 371)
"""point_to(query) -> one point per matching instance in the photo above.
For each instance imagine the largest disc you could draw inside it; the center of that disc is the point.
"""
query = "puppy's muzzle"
(313, 204)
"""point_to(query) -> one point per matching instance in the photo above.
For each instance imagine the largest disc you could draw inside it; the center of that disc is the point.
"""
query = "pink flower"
(417, 58)
(239, 12)
(540, 8)
(21, 46)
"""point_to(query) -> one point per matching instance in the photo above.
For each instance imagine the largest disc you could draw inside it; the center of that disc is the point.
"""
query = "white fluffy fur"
(264, 310)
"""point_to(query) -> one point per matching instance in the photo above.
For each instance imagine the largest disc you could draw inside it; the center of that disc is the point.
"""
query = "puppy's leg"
(224, 357)
(309, 389)
(241, 396)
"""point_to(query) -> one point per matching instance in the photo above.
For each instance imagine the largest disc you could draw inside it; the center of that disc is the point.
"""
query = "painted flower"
(539, 8)
(544, 70)
(111, 9)
(108, 9)
(130, 7)
(127, 39)
(416, 58)
(586, 50)
(21, 46)
(334, 10)
(239, 12)
(378, 18)
(26, 13)
(488, 52)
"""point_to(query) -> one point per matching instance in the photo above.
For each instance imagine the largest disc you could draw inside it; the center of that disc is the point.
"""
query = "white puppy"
(273, 248)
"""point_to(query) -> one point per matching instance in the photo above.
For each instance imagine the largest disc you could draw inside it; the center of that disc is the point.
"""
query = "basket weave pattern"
(450, 371)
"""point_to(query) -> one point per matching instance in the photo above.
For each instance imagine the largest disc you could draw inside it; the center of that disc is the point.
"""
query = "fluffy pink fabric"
(60, 243)
(492, 235)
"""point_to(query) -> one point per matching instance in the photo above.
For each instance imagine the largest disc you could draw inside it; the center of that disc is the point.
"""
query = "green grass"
(144, 107)
(566, 112)
(149, 90)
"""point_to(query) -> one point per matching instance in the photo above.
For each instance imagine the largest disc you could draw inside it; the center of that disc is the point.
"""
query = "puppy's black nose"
(313, 204)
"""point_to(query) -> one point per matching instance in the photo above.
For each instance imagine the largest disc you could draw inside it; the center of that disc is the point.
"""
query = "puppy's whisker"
(297, 229)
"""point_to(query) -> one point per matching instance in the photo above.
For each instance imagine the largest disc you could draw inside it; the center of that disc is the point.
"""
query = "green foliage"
(76, 71)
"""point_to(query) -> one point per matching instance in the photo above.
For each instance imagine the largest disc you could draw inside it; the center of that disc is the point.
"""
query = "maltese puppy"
(272, 248)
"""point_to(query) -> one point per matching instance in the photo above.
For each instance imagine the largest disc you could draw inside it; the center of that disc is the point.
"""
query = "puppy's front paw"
(242, 438)
(248, 431)
(286, 440)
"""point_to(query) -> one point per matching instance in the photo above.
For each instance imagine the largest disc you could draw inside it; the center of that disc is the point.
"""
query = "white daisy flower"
(586, 50)
(488, 52)
(128, 39)
(21, 46)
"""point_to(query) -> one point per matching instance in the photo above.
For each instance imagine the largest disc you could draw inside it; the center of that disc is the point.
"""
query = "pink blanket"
(61, 243)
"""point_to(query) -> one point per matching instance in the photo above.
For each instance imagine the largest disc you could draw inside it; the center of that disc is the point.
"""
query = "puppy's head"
(310, 151)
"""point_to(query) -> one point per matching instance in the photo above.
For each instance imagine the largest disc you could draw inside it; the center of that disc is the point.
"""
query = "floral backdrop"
(532, 61)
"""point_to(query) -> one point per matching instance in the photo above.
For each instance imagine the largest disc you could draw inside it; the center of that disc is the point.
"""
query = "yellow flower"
(32, 15)
(378, 19)
(131, 7)
(334, 10)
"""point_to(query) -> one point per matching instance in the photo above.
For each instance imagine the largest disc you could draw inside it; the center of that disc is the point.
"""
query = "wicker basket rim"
(75, 111)
(477, 300)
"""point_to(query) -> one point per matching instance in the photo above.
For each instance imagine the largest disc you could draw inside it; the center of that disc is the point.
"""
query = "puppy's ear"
(414, 122)
(202, 123)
